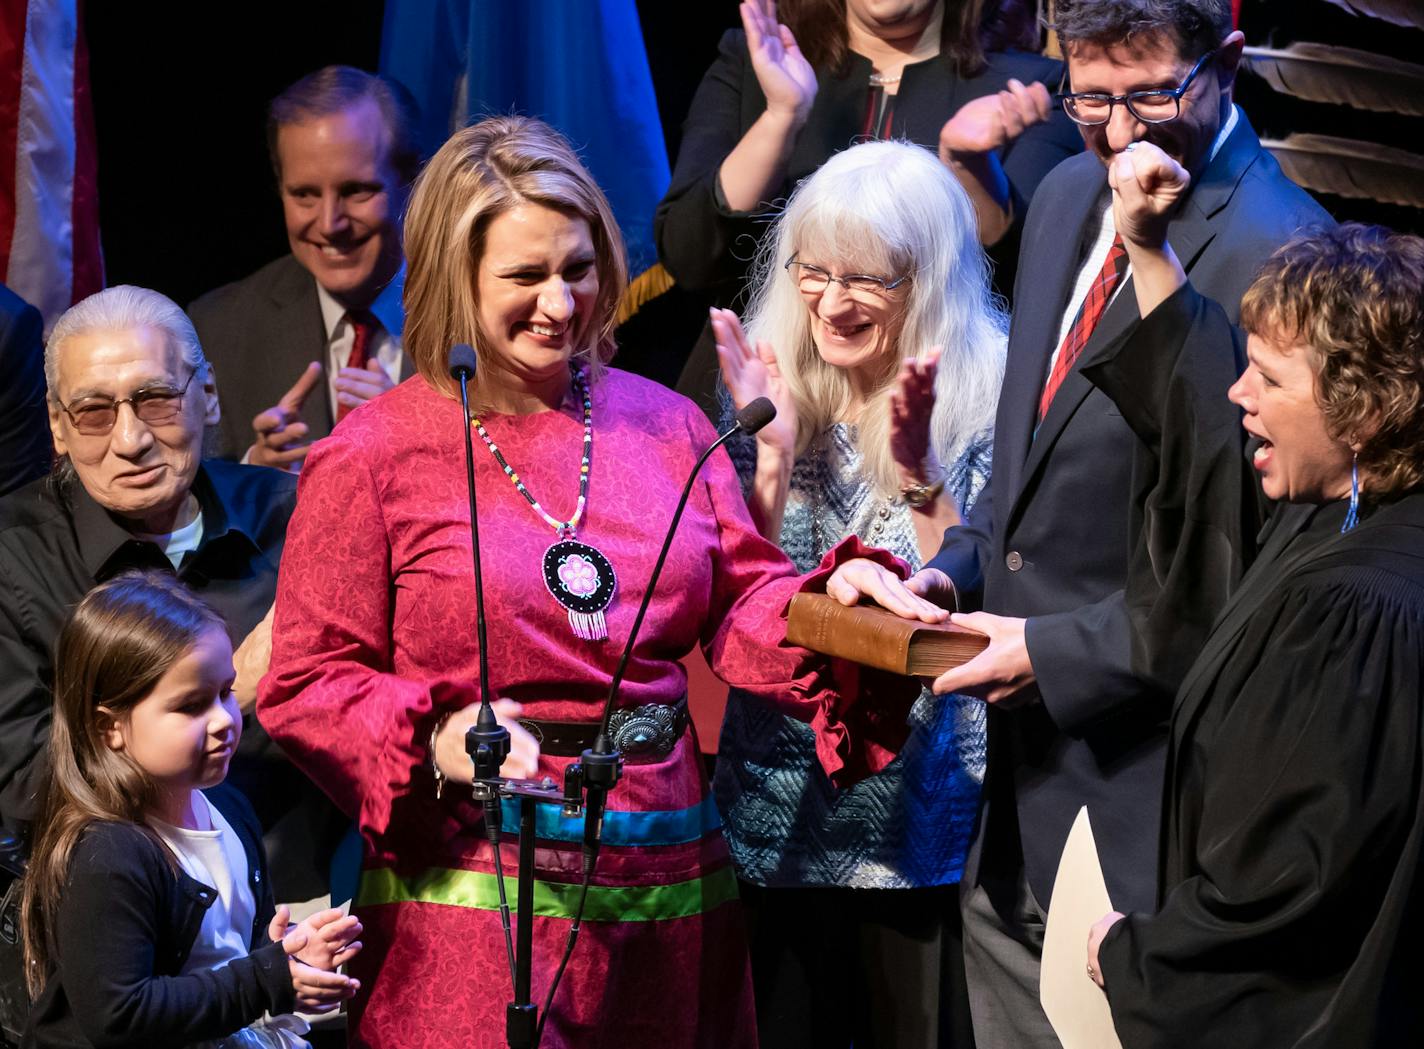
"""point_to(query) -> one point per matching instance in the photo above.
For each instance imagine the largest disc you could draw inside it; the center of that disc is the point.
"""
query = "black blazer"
(708, 248)
(705, 245)
(126, 926)
(1051, 539)
(258, 334)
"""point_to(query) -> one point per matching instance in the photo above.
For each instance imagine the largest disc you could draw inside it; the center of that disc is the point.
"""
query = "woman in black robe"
(1291, 878)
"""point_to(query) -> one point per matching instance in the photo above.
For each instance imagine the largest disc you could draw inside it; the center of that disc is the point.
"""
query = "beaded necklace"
(579, 576)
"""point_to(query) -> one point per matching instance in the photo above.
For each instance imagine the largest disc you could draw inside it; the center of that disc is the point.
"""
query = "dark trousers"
(836, 968)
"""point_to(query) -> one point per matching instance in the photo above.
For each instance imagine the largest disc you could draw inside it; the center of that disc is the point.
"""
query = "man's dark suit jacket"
(25, 448)
(259, 333)
(1050, 540)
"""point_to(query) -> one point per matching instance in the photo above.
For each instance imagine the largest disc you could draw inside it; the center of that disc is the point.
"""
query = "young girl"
(146, 898)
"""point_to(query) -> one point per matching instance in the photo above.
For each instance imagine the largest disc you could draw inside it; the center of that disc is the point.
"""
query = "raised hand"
(1147, 185)
(750, 374)
(911, 408)
(786, 78)
(279, 432)
(993, 121)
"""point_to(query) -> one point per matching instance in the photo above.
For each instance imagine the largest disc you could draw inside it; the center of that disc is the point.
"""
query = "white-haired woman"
(873, 329)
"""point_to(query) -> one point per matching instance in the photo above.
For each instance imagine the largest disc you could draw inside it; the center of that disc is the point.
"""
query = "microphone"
(756, 415)
(486, 741)
(462, 362)
(602, 764)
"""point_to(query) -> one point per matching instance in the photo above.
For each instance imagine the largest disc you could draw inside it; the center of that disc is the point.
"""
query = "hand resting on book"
(928, 595)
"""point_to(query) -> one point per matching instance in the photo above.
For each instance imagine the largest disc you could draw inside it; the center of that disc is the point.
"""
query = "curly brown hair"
(1355, 295)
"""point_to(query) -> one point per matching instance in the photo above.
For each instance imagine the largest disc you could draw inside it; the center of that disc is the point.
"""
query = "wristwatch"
(918, 495)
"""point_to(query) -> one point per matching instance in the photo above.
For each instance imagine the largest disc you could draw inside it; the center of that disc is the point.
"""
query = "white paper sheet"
(1075, 1005)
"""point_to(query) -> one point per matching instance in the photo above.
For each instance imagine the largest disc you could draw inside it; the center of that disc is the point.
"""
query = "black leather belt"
(642, 734)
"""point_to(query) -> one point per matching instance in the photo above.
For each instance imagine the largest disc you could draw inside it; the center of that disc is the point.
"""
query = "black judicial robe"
(1294, 807)
(1291, 877)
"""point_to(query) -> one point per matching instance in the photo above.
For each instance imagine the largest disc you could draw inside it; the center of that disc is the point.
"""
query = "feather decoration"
(1348, 168)
(1396, 12)
(1343, 75)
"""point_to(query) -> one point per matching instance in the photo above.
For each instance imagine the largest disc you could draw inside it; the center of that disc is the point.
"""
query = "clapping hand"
(330, 936)
(991, 122)
(317, 989)
(750, 374)
(279, 432)
(1147, 185)
(786, 78)
(911, 409)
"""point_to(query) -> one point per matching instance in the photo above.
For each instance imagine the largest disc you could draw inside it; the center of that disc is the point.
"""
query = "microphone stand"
(586, 782)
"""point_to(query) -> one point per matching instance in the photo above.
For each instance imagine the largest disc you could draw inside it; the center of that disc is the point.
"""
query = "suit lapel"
(1189, 234)
(300, 330)
(1048, 264)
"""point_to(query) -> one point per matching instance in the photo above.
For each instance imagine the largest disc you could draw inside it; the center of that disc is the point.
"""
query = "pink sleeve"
(330, 698)
(860, 716)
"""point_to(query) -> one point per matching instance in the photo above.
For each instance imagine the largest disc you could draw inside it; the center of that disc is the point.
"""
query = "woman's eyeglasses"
(812, 280)
(154, 405)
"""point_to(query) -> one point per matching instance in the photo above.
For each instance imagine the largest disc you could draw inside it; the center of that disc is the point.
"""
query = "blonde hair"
(481, 172)
(888, 208)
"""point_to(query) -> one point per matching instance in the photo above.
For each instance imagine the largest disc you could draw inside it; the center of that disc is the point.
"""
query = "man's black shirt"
(56, 543)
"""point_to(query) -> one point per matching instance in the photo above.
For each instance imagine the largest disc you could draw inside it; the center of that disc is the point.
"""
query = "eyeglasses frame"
(885, 285)
(1065, 97)
(133, 402)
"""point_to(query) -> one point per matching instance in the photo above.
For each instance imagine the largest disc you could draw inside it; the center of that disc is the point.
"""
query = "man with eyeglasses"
(1079, 694)
(130, 396)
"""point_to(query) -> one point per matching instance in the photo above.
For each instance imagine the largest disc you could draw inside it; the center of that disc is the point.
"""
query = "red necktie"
(363, 326)
(1099, 292)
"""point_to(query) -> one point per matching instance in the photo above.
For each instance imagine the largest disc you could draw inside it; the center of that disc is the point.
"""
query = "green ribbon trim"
(636, 903)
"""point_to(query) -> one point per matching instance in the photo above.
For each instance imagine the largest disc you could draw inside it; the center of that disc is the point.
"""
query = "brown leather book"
(870, 635)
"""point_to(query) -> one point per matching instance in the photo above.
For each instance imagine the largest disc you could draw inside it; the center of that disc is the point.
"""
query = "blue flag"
(580, 65)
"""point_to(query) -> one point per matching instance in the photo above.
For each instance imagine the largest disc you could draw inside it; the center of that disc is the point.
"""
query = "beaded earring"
(1353, 513)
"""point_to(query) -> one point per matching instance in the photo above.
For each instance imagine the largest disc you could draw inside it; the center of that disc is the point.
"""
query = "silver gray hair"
(887, 208)
(123, 308)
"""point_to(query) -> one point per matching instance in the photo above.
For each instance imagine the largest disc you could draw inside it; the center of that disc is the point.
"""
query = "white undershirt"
(178, 543)
(1098, 241)
(385, 344)
(215, 858)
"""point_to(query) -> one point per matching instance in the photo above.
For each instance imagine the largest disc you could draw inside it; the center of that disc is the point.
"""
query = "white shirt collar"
(387, 307)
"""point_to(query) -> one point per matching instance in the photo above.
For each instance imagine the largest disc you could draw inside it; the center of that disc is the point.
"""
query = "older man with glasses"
(1079, 684)
(130, 397)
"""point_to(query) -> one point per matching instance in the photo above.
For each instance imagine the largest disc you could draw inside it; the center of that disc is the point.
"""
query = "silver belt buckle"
(649, 729)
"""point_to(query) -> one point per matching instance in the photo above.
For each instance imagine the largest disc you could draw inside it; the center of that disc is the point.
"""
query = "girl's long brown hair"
(112, 651)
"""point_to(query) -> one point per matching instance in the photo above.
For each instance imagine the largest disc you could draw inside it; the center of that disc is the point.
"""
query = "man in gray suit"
(1079, 684)
(342, 149)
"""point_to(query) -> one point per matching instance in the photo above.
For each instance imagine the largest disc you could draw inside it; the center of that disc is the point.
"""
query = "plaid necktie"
(1099, 292)
(363, 326)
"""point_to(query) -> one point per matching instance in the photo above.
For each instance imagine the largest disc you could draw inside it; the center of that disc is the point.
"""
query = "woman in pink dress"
(512, 248)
